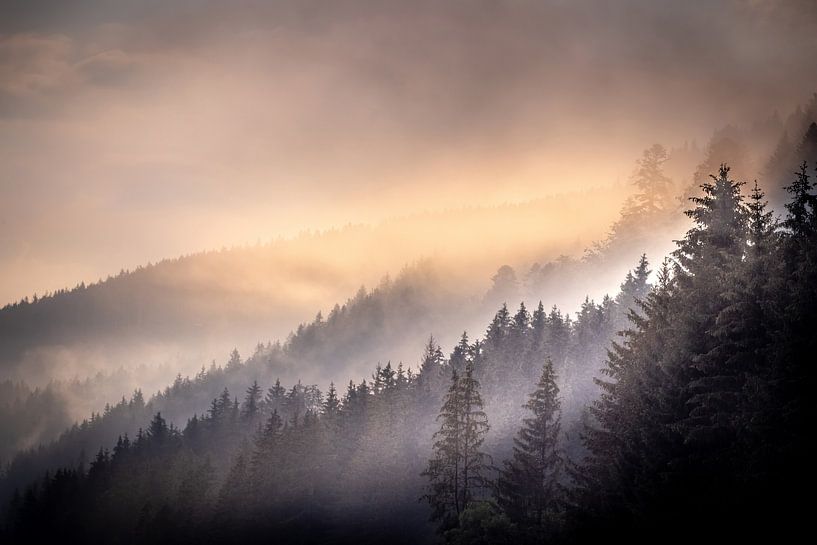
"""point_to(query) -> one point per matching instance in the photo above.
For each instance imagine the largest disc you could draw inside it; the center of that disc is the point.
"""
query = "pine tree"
(252, 400)
(432, 361)
(718, 236)
(331, 405)
(498, 329)
(443, 471)
(761, 222)
(235, 359)
(538, 337)
(294, 403)
(664, 428)
(274, 400)
(631, 433)
(796, 343)
(654, 187)
(634, 288)
(269, 433)
(709, 254)
(528, 487)
(800, 219)
(457, 471)
(744, 330)
(519, 338)
(461, 353)
(558, 337)
(223, 406)
(475, 462)
(158, 430)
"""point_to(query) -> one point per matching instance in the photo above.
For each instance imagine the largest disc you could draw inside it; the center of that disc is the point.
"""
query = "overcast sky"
(132, 131)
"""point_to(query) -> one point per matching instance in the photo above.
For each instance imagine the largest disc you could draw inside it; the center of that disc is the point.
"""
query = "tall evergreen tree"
(331, 405)
(461, 353)
(631, 434)
(252, 400)
(432, 360)
(457, 472)
(708, 255)
(528, 487)
(274, 399)
(235, 359)
(654, 187)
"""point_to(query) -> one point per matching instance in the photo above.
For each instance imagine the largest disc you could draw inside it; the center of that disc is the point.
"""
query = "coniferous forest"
(483, 272)
(697, 419)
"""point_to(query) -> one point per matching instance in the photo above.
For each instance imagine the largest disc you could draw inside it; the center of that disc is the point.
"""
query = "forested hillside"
(98, 338)
(483, 272)
(695, 419)
(386, 421)
(388, 323)
(197, 307)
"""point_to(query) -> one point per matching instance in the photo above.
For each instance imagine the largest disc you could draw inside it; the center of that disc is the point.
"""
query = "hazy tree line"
(735, 297)
(364, 445)
(191, 305)
(702, 424)
(369, 321)
(32, 417)
(371, 431)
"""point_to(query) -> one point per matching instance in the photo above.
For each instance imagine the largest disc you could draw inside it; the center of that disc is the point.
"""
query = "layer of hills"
(228, 296)
(195, 308)
(695, 418)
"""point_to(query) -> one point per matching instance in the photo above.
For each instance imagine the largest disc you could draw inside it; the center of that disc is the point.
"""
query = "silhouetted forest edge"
(676, 410)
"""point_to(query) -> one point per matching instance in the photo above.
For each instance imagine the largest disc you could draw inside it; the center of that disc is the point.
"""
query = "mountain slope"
(193, 308)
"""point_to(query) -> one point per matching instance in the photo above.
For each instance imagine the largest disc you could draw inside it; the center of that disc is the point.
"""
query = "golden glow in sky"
(131, 132)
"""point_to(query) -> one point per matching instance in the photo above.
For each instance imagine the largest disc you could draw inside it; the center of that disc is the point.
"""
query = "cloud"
(318, 112)
(42, 75)
(32, 69)
(113, 68)
(30, 63)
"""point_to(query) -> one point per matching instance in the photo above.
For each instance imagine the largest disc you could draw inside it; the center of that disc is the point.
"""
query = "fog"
(323, 185)
(133, 133)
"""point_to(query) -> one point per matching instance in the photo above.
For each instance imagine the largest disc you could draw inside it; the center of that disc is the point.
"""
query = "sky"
(135, 131)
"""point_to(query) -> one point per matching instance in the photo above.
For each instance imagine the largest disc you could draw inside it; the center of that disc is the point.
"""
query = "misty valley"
(676, 401)
(522, 273)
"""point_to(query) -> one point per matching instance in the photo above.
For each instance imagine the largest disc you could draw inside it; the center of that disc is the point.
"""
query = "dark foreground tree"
(457, 472)
(528, 488)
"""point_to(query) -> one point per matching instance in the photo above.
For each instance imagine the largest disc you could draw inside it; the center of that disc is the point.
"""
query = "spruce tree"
(457, 471)
(654, 187)
(538, 333)
(274, 399)
(708, 256)
(443, 471)
(802, 206)
(634, 288)
(461, 353)
(519, 339)
(475, 462)
(528, 488)
(631, 433)
(795, 346)
(235, 360)
(558, 337)
(252, 399)
(331, 405)
(431, 363)
(744, 330)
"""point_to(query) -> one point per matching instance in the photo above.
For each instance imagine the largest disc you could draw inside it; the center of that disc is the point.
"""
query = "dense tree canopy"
(694, 420)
